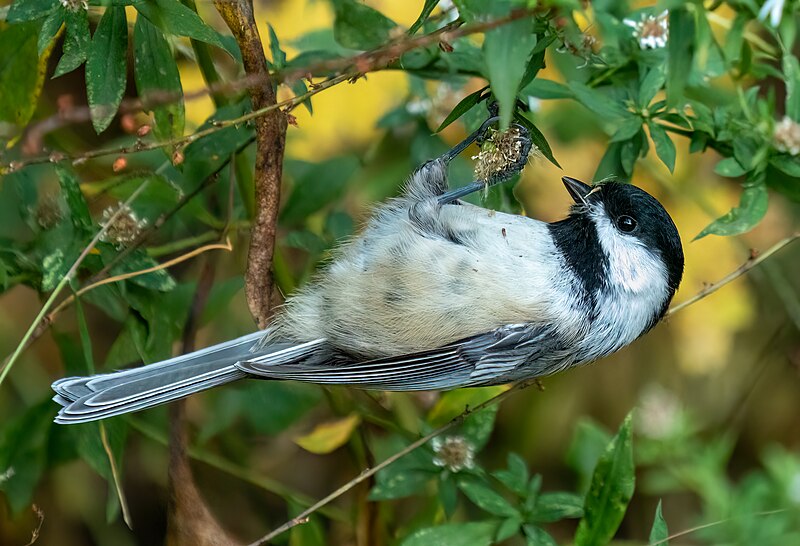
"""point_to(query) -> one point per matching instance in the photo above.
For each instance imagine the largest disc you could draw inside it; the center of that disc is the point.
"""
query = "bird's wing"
(490, 358)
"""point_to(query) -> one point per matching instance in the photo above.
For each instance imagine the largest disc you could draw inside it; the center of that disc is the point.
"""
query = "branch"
(270, 144)
(754, 259)
(369, 472)
(65, 280)
(347, 69)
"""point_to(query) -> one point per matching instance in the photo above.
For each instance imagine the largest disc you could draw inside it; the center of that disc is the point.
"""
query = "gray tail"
(106, 395)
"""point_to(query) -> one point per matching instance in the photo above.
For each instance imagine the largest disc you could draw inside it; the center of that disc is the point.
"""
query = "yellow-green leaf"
(21, 71)
(329, 436)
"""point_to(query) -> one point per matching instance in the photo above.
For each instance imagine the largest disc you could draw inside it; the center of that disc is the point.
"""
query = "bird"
(436, 294)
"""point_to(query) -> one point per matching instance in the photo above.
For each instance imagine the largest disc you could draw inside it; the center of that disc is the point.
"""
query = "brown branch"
(346, 69)
(270, 143)
(369, 472)
(190, 522)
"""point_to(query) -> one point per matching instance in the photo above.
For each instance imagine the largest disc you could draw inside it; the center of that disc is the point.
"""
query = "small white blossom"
(652, 31)
(125, 228)
(417, 107)
(658, 414)
(453, 452)
(8, 474)
(448, 7)
(75, 5)
(787, 136)
(773, 9)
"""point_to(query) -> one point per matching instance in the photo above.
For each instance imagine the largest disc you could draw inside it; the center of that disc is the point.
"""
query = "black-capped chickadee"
(438, 294)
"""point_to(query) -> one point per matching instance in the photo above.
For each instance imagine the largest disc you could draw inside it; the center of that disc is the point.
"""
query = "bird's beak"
(577, 189)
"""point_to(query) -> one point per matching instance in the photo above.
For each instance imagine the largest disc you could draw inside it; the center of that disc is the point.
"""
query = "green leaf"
(88, 439)
(50, 28)
(173, 17)
(515, 478)
(548, 89)
(610, 492)
(477, 426)
(628, 129)
(278, 55)
(77, 42)
(729, 167)
(358, 26)
(487, 499)
(659, 532)
(508, 528)
(538, 139)
(787, 164)
(427, 8)
(29, 10)
(506, 50)
(106, 72)
(322, 184)
(680, 48)
(474, 533)
(536, 536)
(556, 506)
(752, 208)
(21, 71)
(398, 485)
(71, 190)
(464, 106)
(650, 86)
(159, 280)
(665, 148)
(23, 453)
(599, 103)
(791, 71)
(156, 73)
(611, 165)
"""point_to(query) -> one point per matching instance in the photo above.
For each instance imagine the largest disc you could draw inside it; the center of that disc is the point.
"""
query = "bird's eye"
(626, 223)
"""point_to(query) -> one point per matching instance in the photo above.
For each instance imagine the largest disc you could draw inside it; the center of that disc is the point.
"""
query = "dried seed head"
(125, 228)
(75, 5)
(500, 152)
(453, 452)
(787, 136)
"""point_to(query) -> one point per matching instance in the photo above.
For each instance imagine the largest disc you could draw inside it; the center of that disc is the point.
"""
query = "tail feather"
(97, 397)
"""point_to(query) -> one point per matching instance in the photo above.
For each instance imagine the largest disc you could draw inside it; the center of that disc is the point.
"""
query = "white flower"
(658, 413)
(773, 8)
(451, 10)
(453, 452)
(8, 474)
(787, 136)
(652, 31)
(418, 106)
(75, 5)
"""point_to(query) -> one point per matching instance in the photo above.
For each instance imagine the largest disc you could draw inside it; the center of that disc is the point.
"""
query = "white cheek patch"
(632, 267)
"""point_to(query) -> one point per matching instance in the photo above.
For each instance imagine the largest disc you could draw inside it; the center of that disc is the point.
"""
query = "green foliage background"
(651, 442)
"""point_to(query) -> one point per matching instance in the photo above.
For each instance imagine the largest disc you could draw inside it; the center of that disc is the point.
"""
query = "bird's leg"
(508, 159)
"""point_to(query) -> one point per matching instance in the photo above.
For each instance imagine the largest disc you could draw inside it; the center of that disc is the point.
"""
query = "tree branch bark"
(270, 142)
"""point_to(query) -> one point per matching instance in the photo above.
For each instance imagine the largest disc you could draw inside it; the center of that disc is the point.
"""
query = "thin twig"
(40, 521)
(754, 259)
(351, 68)
(124, 276)
(367, 473)
(123, 502)
(715, 523)
(66, 279)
